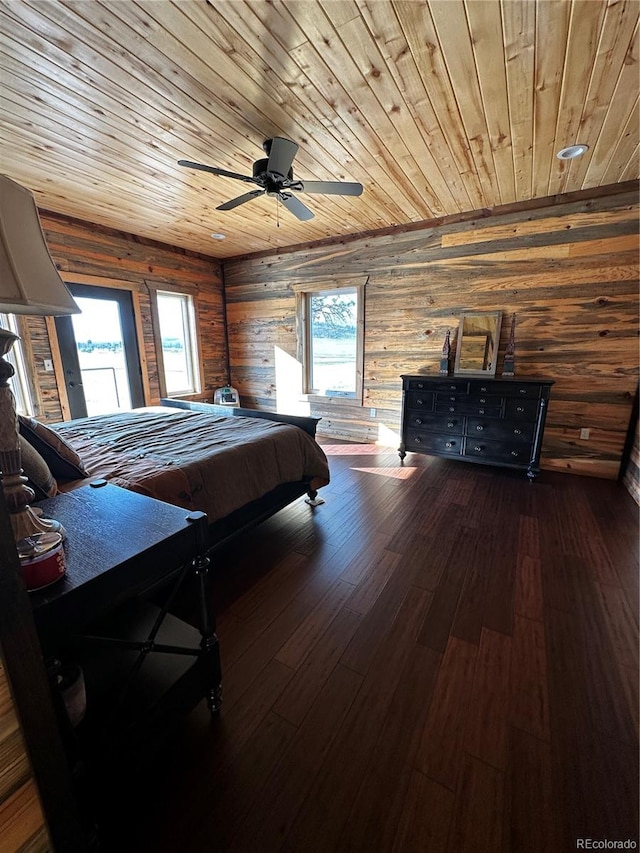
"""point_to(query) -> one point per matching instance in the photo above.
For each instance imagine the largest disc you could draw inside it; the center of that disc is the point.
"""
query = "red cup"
(42, 559)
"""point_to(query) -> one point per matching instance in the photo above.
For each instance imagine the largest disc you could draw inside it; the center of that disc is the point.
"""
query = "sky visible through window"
(173, 314)
(333, 351)
(101, 355)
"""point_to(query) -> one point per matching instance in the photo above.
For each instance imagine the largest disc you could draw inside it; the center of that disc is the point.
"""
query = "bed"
(238, 466)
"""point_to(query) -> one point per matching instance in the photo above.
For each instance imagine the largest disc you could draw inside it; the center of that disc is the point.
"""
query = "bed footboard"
(308, 424)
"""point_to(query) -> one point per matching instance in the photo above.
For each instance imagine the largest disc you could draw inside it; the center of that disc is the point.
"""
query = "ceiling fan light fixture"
(572, 151)
(217, 236)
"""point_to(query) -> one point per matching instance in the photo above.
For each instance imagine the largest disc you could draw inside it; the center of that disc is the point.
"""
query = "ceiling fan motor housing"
(260, 171)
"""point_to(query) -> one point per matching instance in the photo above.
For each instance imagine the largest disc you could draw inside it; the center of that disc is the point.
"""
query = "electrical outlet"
(48, 365)
(584, 433)
(372, 412)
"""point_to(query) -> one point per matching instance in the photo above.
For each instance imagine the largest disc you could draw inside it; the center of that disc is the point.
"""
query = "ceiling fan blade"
(295, 206)
(331, 187)
(281, 156)
(216, 171)
(241, 199)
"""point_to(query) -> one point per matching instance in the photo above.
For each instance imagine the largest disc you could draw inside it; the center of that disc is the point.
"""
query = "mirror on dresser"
(478, 343)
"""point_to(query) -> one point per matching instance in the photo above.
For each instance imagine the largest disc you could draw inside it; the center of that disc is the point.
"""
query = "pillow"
(37, 471)
(62, 459)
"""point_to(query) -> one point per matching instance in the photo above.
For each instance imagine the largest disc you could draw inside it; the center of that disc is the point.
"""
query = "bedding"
(196, 460)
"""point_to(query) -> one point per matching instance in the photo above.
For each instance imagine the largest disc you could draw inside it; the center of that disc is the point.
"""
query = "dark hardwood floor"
(442, 657)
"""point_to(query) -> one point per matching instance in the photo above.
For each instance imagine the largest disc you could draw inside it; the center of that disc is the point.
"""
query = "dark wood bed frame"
(225, 529)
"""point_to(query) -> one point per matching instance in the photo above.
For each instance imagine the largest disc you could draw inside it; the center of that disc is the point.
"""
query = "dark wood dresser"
(489, 421)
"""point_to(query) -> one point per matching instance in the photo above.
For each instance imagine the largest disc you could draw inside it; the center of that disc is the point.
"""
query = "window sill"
(330, 400)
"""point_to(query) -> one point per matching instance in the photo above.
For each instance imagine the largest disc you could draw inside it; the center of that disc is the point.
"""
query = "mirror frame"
(496, 317)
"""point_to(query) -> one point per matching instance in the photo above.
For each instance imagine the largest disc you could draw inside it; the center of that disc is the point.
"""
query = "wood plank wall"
(567, 267)
(22, 823)
(89, 250)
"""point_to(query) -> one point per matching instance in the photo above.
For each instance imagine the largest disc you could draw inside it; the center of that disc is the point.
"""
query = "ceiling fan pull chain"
(277, 211)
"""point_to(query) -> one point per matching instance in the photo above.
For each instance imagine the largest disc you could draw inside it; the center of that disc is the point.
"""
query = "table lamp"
(29, 284)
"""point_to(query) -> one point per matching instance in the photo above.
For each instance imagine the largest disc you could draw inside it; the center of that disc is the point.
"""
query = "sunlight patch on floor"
(354, 449)
(398, 473)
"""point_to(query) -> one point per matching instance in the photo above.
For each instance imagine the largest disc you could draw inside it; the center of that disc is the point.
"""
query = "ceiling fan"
(273, 175)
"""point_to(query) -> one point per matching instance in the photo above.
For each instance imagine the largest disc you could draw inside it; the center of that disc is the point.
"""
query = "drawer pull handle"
(515, 453)
(479, 427)
(450, 444)
(417, 440)
(420, 402)
(450, 424)
(452, 408)
(481, 411)
(418, 420)
(477, 448)
(517, 432)
(523, 390)
(519, 408)
(453, 399)
(483, 388)
(452, 387)
(482, 400)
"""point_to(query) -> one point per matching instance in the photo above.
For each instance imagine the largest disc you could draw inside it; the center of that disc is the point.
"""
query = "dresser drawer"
(422, 400)
(428, 384)
(467, 408)
(437, 423)
(521, 410)
(526, 390)
(486, 400)
(500, 452)
(434, 442)
(457, 386)
(499, 430)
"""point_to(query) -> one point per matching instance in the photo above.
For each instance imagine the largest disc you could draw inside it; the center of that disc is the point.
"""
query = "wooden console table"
(142, 666)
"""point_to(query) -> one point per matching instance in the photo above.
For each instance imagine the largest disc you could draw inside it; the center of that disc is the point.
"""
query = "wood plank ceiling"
(436, 107)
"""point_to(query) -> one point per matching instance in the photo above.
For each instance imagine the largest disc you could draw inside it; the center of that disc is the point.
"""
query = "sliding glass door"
(99, 352)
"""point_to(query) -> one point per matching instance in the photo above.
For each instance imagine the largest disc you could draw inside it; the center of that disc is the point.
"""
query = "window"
(176, 318)
(18, 382)
(330, 319)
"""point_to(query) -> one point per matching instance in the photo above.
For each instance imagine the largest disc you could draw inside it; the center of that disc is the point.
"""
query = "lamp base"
(26, 522)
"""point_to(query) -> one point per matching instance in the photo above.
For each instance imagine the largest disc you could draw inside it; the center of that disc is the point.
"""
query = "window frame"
(19, 382)
(304, 291)
(191, 335)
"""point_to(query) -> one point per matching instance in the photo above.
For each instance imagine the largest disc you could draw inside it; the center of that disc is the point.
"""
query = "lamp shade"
(29, 280)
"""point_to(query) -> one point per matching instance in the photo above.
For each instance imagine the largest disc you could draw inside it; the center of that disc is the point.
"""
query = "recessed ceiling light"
(217, 236)
(571, 152)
